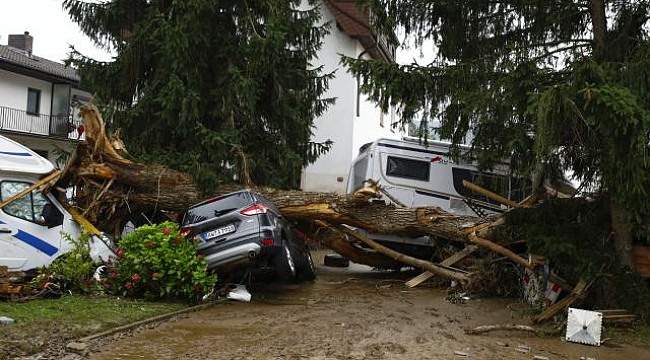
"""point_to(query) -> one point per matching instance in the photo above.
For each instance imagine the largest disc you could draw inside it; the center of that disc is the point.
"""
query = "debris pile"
(12, 284)
(112, 189)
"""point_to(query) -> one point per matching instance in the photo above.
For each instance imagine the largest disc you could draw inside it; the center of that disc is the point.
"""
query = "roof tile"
(21, 58)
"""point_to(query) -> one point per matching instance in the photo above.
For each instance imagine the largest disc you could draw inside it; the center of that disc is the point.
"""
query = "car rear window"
(218, 207)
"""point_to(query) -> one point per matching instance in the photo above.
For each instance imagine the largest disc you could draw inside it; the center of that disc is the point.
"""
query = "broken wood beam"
(451, 260)
(563, 304)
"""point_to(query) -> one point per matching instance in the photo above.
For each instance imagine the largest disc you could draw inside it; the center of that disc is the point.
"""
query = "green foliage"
(73, 271)
(155, 261)
(220, 89)
(572, 235)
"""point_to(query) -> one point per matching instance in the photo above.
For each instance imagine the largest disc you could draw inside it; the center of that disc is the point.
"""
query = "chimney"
(22, 41)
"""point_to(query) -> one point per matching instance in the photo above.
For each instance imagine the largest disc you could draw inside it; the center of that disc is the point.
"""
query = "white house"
(353, 120)
(38, 99)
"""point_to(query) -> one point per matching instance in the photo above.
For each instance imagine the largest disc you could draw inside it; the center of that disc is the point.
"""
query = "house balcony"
(56, 126)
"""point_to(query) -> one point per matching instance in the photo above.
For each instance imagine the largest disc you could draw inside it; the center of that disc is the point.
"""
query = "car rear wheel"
(305, 268)
(284, 264)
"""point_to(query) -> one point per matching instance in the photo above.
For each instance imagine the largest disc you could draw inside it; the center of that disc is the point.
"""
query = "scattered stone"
(6, 320)
(464, 352)
(540, 357)
(523, 349)
(77, 347)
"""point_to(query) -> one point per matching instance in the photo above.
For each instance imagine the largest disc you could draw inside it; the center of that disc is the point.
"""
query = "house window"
(407, 168)
(33, 101)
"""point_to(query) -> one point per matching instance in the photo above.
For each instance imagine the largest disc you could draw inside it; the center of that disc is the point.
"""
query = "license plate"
(218, 232)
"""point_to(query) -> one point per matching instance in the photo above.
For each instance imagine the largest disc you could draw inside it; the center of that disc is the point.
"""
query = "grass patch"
(41, 323)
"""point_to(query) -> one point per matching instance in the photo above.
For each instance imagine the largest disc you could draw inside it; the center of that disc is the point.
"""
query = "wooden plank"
(11, 289)
(447, 262)
(563, 304)
(628, 318)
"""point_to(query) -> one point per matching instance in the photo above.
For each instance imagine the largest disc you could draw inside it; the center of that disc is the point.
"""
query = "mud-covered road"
(350, 313)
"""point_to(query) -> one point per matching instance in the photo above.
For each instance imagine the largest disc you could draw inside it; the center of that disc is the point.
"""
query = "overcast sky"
(53, 31)
(49, 24)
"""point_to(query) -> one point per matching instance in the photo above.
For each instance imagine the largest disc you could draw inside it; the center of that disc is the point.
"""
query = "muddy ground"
(350, 313)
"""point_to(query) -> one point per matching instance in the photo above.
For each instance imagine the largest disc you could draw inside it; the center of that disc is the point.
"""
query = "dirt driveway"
(348, 313)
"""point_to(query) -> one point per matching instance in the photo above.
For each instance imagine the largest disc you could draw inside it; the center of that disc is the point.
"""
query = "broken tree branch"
(422, 264)
(504, 327)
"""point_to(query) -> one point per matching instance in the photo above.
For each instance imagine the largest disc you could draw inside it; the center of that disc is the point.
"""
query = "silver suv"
(245, 229)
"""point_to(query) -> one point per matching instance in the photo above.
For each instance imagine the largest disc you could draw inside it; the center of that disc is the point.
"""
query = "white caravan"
(32, 227)
(418, 175)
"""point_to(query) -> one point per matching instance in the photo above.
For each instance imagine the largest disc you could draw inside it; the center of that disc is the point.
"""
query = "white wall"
(13, 91)
(340, 123)
(368, 125)
(337, 122)
(13, 94)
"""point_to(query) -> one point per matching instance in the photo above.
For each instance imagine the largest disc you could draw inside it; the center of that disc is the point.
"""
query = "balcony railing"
(47, 125)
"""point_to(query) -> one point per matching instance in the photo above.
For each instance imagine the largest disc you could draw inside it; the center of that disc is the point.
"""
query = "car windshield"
(216, 208)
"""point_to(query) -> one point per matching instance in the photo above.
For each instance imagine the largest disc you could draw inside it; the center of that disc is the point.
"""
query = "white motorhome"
(32, 226)
(418, 175)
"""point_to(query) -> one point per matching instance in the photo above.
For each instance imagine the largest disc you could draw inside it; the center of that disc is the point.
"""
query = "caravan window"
(408, 168)
(510, 187)
(28, 207)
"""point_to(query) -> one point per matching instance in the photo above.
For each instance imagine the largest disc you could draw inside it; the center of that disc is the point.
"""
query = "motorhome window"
(510, 188)
(360, 172)
(408, 168)
(28, 207)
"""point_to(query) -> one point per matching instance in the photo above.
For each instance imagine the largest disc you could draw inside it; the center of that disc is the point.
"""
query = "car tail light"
(267, 242)
(255, 210)
(185, 232)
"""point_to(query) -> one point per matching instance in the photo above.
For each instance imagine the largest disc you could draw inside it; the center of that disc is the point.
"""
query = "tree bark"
(622, 235)
(599, 26)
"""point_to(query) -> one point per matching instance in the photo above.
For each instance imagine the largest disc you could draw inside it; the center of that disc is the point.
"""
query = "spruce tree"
(552, 85)
(222, 89)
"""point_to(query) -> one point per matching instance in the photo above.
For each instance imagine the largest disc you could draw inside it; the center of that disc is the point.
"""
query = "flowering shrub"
(155, 261)
(73, 272)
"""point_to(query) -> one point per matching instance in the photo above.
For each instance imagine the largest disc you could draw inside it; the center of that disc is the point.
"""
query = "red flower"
(167, 231)
(128, 285)
(135, 277)
(176, 240)
(119, 252)
(148, 244)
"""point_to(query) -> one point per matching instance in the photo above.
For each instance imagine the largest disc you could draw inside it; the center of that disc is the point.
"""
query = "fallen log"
(482, 329)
